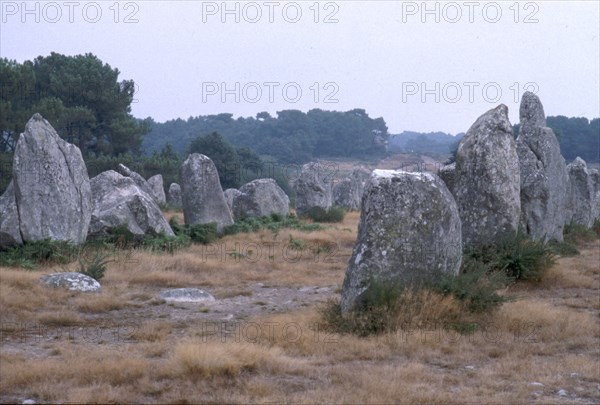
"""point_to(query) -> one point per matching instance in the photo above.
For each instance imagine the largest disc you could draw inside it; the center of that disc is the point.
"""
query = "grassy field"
(263, 342)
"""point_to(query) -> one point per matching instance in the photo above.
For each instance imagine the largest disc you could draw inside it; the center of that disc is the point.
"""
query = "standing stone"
(448, 174)
(202, 195)
(314, 187)
(10, 234)
(52, 187)
(119, 201)
(595, 177)
(137, 178)
(582, 194)
(348, 192)
(487, 185)
(543, 172)
(409, 232)
(260, 198)
(158, 189)
(174, 195)
(230, 195)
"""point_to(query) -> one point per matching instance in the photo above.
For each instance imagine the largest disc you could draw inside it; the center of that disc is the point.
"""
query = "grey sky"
(376, 56)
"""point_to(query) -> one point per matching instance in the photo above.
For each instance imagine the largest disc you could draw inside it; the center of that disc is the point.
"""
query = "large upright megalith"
(201, 192)
(51, 184)
(314, 187)
(487, 180)
(409, 232)
(582, 194)
(544, 176)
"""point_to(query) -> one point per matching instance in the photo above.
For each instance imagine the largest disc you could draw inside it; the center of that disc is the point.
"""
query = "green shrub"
(94, 266)
(518, 256)
(563, 248)
(199, 233)
(333, 214)
(31, 254)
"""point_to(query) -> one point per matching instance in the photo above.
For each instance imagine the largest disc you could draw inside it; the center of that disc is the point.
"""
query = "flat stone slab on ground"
(71, 281)
(186, 295)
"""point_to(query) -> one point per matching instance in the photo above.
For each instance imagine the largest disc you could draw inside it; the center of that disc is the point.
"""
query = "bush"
(198, 233)
(333, 214)
(95, 266)
(274, 223)
(517, 256)
(31, 254)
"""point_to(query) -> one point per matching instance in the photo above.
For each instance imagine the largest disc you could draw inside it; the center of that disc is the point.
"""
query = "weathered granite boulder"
(448, 174)
(202, 195)
(348, 192)
(158, 189)
(71, 281)
(595, 176)
(230, 195)
(174, 195)
(487, 183)
(194, 295)
(10, 234)
(51, 184)
(314, 187)
(119, 201)
(543, 172)
(260, 198)
(409, 232)
(582, 193)
(138, 179)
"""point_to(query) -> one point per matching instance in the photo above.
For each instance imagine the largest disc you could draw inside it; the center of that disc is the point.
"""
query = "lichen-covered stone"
(543, 172)
(202, 195)
(10, 234)
(582, 194)
(158, 190)
(118, 201)
(314, 187)
(174, 195)
(487, 186)
(51, 185)
(348, 192)
(409, 231)
(72, 282)
(260, 198)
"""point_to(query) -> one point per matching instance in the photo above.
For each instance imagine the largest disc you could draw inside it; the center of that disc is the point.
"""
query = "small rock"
(562, 393)
(536, 384)
(28, 402)
(72, 281)
(186, 295)
(470, 367)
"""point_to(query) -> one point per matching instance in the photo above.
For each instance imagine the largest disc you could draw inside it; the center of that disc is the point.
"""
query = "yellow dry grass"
(526, 352)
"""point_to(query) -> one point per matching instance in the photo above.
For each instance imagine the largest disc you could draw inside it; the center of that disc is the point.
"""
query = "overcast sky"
(422, 69)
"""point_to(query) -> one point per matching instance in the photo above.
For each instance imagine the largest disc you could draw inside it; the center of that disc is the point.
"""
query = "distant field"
(261, 342)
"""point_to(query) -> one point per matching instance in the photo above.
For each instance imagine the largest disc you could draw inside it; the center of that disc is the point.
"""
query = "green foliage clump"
(517, 256)
(94, 266)
(577, 234)
(274, 223)
(333, 214)
(31, 254)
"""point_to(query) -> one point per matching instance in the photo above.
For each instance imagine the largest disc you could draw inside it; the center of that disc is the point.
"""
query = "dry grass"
(152, 352)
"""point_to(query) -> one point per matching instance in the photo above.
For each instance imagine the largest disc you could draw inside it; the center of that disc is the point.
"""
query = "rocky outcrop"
(10, 234)
(118, 201)
(409, 232)
(582, 194)
(543, 172)
(595, 177)
(487, 185)
(314, 187)
(51, 185)
(260, 198)
(348, 192)
(202, 195)
(174, 196)
(158, 189)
